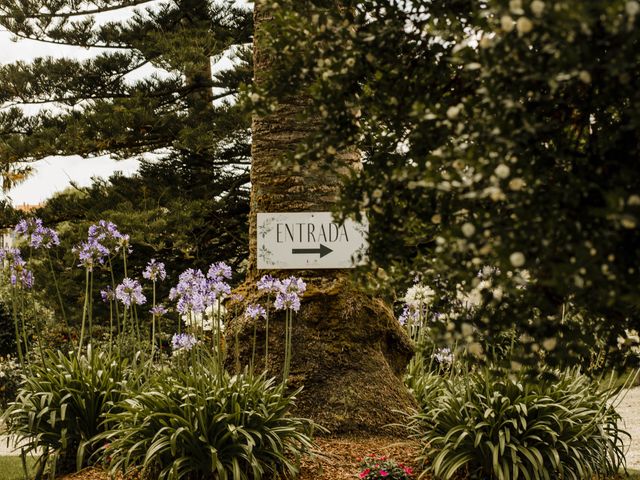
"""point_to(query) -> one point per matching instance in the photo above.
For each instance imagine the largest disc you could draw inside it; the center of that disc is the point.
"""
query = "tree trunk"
(348, 349)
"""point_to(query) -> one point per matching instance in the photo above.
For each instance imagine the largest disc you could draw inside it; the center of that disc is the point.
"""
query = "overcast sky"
(55, 173)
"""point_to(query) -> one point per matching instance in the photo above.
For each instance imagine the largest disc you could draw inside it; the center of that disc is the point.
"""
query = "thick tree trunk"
(348, 349)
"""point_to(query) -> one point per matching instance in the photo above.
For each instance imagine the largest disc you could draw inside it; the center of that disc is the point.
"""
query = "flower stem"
(55, 282)
(84, 311)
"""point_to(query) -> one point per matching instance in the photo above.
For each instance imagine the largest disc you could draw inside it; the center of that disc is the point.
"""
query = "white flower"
(453, 112)
(209, 321)
(419, 295)
(632, 8)
(524, 25)
(585, 77)
(502, 171)
(517, 259)
(515, 6)
(507, 24)
(468, 229)
(516, 184)
(537, 7)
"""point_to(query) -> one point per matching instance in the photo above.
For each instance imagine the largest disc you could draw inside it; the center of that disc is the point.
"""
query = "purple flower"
(236, 297)
(293, 285)
(155, 271)
(28, 226)
(287, 301)
(268, 283)
(218, 271)
(183, 341)
(129, 292)
(108, 295)
(106, 233)
(18, 273)
(289, 292)
(409, 313)
(158, 310)
(21, 277)
(190, 292)
(39, 235)
(255, 311)
(91, 253)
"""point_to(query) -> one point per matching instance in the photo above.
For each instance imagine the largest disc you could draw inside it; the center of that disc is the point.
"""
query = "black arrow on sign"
(305, 251)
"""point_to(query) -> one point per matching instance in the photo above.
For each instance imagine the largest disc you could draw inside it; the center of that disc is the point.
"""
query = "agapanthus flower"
(207, 319)
(236, 297)
(11, 255)
(39, 236)
(419, 295)
(255, 311)
(409, 313)
(219, 271)
(268, 284)
(108, 295)
(183, 342)
(91, 253)
(292, 285)
(190, 292)
(21, 277)
(287, 301)
(106, 233)
(444, 356)
(218, 290)
(158, 310)
(155, 271)
(129, 292)
(289, 291)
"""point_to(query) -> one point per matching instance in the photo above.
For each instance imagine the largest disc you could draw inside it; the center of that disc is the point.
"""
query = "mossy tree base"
(349, 354)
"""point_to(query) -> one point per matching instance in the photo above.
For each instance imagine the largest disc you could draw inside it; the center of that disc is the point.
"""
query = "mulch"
(337, 458)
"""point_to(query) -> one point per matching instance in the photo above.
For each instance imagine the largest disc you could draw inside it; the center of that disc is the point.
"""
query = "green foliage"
(494, 425)
(499, 133)
(187, 218)
(190, 423)
(10, 380)
(109, 103)
(61, 406)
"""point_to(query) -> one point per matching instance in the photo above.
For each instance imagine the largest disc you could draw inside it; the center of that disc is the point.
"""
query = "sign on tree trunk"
(310, 240)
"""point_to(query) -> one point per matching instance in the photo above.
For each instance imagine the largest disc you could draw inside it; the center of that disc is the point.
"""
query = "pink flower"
(384, 473)
(408, 470)
(364, 473)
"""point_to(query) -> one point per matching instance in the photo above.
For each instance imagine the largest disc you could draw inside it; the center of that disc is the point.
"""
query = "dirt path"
(629, 410)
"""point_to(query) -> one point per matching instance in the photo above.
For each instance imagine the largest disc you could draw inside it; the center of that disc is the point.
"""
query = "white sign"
(309, 240)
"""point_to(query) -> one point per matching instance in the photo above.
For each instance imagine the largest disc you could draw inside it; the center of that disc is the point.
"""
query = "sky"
(54, 174)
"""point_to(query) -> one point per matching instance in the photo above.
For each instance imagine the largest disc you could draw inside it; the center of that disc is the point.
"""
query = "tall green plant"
(60, 406)
(491, 425)
(195, 423)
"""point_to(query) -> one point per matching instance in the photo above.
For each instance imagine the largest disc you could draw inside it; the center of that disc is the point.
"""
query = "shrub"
(10, 378)
(373, 467)
(494, 426)
(192, 423)
(61, 404)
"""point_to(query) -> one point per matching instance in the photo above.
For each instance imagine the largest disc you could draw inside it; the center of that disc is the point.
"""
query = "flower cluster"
(255, 311)
(287, 291)
(129, 292)
(107, 234)
(108, 295)
(373, 467)
(39, 236)
(91, 253)
(19, 275)
(195, 291)
(417, 301)
(158, 311)
(205, 320)
(155, 271)
(444, 357)
(183, 342)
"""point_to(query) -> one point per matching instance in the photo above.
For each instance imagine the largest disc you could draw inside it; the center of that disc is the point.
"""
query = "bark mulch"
(337, 457)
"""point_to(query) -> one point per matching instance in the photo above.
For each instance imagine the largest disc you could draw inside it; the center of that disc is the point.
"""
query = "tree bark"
(348, 349)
